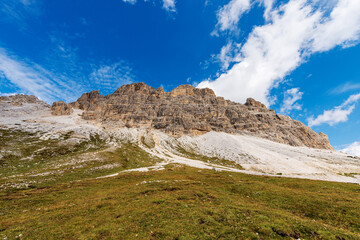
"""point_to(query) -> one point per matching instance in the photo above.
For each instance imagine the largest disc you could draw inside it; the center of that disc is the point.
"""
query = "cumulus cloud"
(353, 149)
(293, 32)
(336, 115)
(291, 96)
(229, 15)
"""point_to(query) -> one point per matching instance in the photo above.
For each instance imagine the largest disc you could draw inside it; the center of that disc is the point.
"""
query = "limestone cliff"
(189, 110)
(61, 108)
(20, 99)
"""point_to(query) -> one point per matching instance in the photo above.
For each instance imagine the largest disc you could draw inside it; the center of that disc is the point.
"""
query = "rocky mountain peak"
(250, 102)
(61, 108)
(20, 99)
(134, 87)
(188, 90)
(189, 110)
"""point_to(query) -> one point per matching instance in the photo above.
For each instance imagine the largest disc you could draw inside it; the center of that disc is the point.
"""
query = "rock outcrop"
(61, 108)
(250, 102)
(189, 110)
(20, 99)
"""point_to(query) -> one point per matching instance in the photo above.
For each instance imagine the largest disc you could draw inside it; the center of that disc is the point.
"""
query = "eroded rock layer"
(189, 110)
(61, 108)
(20, 99)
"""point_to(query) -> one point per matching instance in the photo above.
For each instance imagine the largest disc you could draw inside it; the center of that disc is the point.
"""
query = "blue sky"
(299, 57)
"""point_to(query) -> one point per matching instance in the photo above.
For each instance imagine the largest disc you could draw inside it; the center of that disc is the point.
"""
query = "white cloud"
(293, 32)
(110, 77)
(342, 27)
(228, 54)
(229, 15)
(268, 4)
(345, 88)
(353, 149)
(18, 10)
(352, 99)
(224, 56)
(130, 1)
(336, 115)
(291, 96)
(33, 79)
(332, 116)
(169, 5)
(9, 94)
(270, 52)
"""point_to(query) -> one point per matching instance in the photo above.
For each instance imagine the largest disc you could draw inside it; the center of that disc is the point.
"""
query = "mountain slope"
(66, 177)
(213, 150)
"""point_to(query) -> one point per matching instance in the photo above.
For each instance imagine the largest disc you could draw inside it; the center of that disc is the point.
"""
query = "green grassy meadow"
(178, 202)
(183, 203)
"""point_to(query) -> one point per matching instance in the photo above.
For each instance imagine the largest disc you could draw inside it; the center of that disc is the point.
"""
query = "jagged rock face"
(20, 99)
(188, 110)
(61, 108)
(250, 102)
(89, 101)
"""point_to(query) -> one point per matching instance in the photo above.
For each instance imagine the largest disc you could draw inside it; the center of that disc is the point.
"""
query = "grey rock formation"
(189, 110)
(20, 99)
(61, 108)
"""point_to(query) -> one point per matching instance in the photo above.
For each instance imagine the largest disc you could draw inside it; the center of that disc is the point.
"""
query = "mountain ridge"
(25, 117)
(190, 110)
